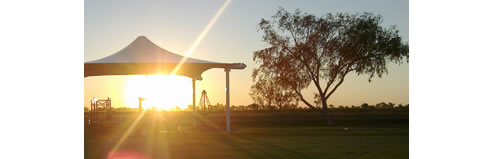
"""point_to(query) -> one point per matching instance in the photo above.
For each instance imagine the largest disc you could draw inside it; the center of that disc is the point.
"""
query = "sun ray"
(126, 134)
(202, 35)
(187, 54)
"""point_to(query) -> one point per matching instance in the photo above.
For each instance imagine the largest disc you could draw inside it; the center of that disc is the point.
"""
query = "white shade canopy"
(143, 57)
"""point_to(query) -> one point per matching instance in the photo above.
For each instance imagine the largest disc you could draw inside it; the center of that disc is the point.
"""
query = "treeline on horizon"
(379, 107)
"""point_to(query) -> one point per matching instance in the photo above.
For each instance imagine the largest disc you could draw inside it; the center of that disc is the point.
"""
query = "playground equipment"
(204, 102)
(100, 105)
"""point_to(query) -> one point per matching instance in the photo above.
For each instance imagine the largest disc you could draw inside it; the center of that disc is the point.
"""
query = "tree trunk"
(326, 116)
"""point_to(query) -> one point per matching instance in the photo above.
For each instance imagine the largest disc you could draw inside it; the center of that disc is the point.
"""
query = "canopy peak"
(142, 56)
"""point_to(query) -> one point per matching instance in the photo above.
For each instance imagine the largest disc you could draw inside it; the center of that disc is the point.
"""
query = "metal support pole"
(193, 80)
(91, 114)
(193, 114)
(140, 99)
(93, 109)
(110, 107)
(228, 120)
(108, 103)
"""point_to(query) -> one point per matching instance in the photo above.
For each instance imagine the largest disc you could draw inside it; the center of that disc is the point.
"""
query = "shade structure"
(143, 57)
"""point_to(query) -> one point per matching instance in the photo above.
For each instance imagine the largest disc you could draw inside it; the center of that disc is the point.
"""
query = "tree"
(262, 93)
(253, 106)
(331, 106)
(364, 106)
(284, 97)
(304, 49)
(391, 105)
(292, 106)
(381, 105)
(267, 92)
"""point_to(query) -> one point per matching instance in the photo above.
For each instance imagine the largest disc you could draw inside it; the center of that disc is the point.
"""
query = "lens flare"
(176, 69)
(126, 134)
(162, 91)
(202, 35)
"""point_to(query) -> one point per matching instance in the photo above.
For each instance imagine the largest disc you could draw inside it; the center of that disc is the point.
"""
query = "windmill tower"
(140, 99)
(204, 102)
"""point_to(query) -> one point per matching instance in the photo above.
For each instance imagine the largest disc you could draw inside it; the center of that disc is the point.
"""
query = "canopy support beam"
(228, 120)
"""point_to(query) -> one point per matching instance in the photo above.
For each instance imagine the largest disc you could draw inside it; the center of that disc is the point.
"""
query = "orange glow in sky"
(167, 92)
(162, 91)
(224, 31)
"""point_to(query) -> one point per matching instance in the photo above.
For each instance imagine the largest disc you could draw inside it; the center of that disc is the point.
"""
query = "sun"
(165, 92)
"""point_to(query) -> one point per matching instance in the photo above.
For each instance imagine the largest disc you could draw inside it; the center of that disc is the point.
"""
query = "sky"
(111, 25)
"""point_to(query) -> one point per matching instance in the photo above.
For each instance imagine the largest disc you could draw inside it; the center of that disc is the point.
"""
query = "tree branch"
(315, 80)
(330, 82)
(304, 100)
(339, 83)
(335, 88)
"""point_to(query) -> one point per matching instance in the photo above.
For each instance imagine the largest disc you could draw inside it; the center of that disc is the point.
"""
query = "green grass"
(257, 143)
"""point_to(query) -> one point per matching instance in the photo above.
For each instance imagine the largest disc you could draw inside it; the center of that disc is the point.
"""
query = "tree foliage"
(269, 95)
(304, 49)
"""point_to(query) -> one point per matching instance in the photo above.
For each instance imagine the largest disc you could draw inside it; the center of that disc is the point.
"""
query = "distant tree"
(218, 107)
(391, 105)
(364, 106)
(242, 107)
(381, 105)
(253, 106)
(331, 106)
(292, 106)
(305, 49)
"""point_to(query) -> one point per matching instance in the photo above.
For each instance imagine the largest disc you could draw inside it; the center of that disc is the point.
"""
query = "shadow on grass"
(262, 145)
(255, 148)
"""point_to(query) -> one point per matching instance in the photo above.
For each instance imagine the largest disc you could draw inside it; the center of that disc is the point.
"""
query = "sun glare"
(167, 92)
(163, 92)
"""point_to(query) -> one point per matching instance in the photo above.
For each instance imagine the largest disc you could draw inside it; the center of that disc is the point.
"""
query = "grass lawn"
(257, 143)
